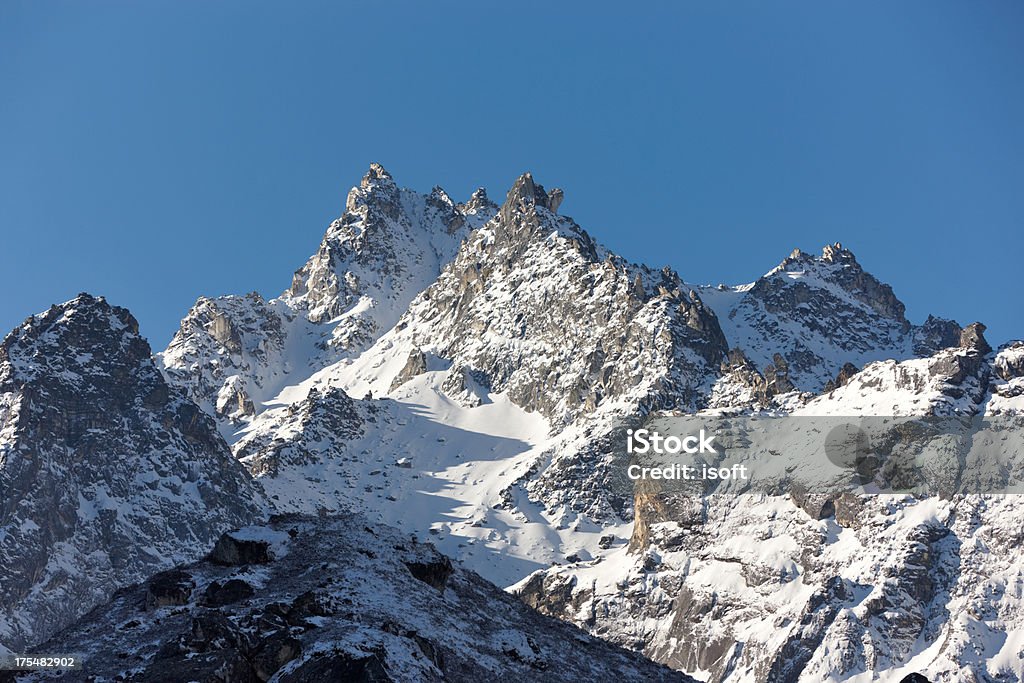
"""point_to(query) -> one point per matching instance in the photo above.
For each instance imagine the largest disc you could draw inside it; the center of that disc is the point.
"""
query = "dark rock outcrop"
(434, 573)
(234, 551)
(173, 587)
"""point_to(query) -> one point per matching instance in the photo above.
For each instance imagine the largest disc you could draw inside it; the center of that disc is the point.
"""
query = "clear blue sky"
(154, 151)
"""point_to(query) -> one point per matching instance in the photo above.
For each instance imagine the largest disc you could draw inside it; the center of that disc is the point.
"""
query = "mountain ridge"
(466, 372)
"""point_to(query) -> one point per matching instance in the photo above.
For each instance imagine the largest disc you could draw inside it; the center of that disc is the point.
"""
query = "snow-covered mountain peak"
(65, 340)
(389, 239)
(107, 474)
(522, 277)
(819, 313)
(234, 354)
(837, 269)
(376, 182)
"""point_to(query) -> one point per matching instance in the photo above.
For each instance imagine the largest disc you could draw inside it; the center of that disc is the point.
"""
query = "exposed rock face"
(934, 335)
(973, 337)
(466, 386)
(107, 474)
(234, 550)
(742, 384)
(229, 354)
(434, 573)
(846, 373)
(341, 601)
(415, 365)
(172, 587)
(503, 307)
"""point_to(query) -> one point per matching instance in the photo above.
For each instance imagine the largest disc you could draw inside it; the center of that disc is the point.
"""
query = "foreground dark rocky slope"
(107, 474)
(333, 599)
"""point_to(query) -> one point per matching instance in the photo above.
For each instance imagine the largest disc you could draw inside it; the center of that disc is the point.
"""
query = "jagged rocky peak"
(838, 265)
(227, 353)
(376, 174)
(935, 334)
(973, 337)
(377, 183)
(41, 344)
(233, 354)
(523, 278)
(373, 240)
(523, 201)
(479, 202)
(820, 313)
(107, 474)
(835, 253)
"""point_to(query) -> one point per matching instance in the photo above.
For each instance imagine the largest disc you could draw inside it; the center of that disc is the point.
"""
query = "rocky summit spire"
(376, 185)
(836, 253)
(376, 175)
(973, 337)
(526, 195)
(479, 202)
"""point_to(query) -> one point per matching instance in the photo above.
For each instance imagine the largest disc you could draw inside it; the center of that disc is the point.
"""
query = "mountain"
(234, 353)
(107, 474)
(796, 587)
(527, 357)
(466, 373)
(485, 361)
(818, 313)
(333, 598)
(490, 414)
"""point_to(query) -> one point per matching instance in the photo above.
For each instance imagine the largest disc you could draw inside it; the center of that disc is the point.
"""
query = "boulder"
(231, 591)
(233, 551)
(172, 587)
(433, 573)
